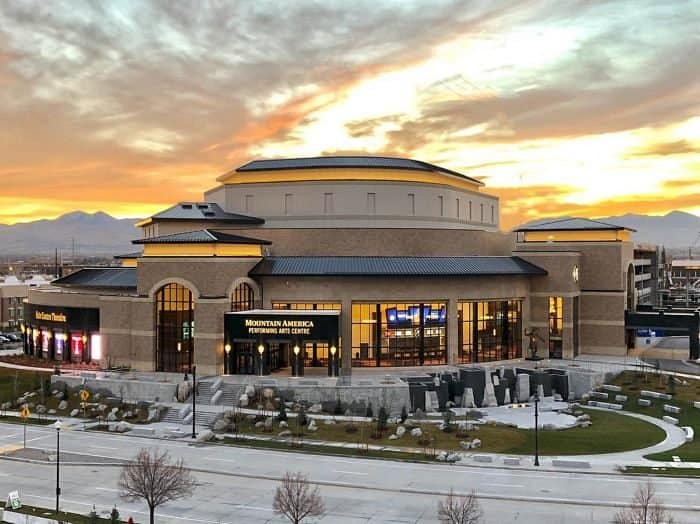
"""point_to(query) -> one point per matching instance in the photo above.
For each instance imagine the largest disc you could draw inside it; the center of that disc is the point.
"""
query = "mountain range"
(76, 233)
(101, 234)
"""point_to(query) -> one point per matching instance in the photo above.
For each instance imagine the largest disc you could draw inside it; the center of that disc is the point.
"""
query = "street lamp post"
(537, 449)
(261, 350)
(57, 425)
(194, 397)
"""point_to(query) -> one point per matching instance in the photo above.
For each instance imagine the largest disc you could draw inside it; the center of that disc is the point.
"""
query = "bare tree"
(296, 500)
(646, 508)
(457, 509)
(151, 476)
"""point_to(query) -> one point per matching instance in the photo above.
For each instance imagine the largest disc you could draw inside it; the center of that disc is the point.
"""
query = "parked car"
(14, 337)
(4, 340)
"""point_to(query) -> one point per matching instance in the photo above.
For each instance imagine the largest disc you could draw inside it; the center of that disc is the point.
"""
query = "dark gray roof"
(135, 254)
(203, 211)
(375, 162)
(395, 266)
(572, 224)
(200, 236)
(101, 277)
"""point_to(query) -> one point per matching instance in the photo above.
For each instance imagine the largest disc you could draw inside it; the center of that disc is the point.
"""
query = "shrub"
(382, 418)
(114, 515)
(282, 415)
(369, 413)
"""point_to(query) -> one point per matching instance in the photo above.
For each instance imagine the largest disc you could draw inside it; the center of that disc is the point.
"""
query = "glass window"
(489, 330)
(556, 324)
(399, 334)
(174, 328)
(242, 298)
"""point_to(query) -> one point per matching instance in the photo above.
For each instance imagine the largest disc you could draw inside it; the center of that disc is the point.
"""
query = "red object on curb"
(130, 521)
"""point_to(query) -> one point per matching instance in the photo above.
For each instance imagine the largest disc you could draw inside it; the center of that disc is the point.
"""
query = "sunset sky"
(585, 108)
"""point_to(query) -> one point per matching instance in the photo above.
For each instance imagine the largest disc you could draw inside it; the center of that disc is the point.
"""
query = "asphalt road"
(237, 484)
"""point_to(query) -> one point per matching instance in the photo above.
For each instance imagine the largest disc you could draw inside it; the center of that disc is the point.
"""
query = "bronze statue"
(533, 335)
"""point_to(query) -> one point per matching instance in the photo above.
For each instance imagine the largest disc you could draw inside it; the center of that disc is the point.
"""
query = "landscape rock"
(267, 425)
(285, 433)
(417, 432)
(41, 409)
(220, 425)
(476, 443)
(250, 391)
(329, 422)
(259, 424)
(153, 415)
(315, 408)
(284, 424)
(52, 412)
(123, 427)
(400, 431)
(419, 414)
(74, 412)
(111, 416)
(63, 405)
(59, 395)
(243, 401)
(465, 444)
(393, 437)
(268, 393)
(205, 435)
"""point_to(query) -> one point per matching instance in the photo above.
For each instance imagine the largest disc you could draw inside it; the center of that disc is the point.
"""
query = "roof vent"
(209, 214)
(202, 206)
(186, 206)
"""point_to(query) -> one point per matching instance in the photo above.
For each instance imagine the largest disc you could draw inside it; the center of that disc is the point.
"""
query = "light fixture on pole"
(261, 350)
(537, 448)
(295, 370)
(227, 366)
(57, 425)
(334, 361)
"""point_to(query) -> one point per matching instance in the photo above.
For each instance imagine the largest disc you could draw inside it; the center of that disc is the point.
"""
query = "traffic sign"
(13, 500)
(84, 395)
(25, 412)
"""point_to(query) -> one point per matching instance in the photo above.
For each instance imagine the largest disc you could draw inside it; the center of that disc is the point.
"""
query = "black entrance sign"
(284, 325)
(67, 318)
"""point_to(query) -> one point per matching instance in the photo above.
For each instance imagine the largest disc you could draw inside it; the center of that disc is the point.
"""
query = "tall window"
(248, 205)
(493, 214)
(470, 210)
(328, 203)
(399, 334)
(412, 203)
(458, 210)
(371, 203)
(556, 324)
(174, 318)
(441, 205)
(288, 204)
(482, 212)
(242, 298)
(489, 331)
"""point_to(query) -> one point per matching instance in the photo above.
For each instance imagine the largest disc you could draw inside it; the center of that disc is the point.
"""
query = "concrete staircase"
(204, 418)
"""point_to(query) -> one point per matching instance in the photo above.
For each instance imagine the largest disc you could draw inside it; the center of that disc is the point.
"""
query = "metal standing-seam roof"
(203, 211)
(100, 277)
(572, 224)
(395, 266)
(368, 162)
(200, 236)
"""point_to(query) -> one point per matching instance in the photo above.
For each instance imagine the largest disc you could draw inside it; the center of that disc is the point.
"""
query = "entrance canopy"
(279, 324)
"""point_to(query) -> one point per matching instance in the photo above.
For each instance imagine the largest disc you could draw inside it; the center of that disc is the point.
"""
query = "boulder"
(114, 410)
(267, 425)
(465, 444)
(329, 422)
(285, 433)
(101, 407)
(393, 437)
(417, 432)
(400, 431)
(205, 435)
(123, 427)
(313, 429)
(268, 393)
(476, 443)
(74, 412)
(59, 395)
(243, 401)
(220, 426)
(41, 409)
(52, 412)
(453, 457)
(419, 414)
(250, 391)
(63, 405)
(111, 416)
(315, 408)
(442, 456)
(284, 424)
(259, 424)
(153, 415)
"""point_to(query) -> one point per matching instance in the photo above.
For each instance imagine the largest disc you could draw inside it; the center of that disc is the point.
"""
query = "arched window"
(174, 319)
(242, 298)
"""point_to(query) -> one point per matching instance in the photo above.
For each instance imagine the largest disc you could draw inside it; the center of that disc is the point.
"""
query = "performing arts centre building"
(335, 263)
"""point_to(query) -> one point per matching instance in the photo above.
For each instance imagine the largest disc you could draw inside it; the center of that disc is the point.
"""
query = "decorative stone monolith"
(522, 389)
(468, 398)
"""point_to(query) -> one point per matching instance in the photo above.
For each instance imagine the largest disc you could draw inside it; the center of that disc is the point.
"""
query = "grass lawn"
(683, 396)
(663, 472)
(14, 382)
(610, 432)
(61, 516)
